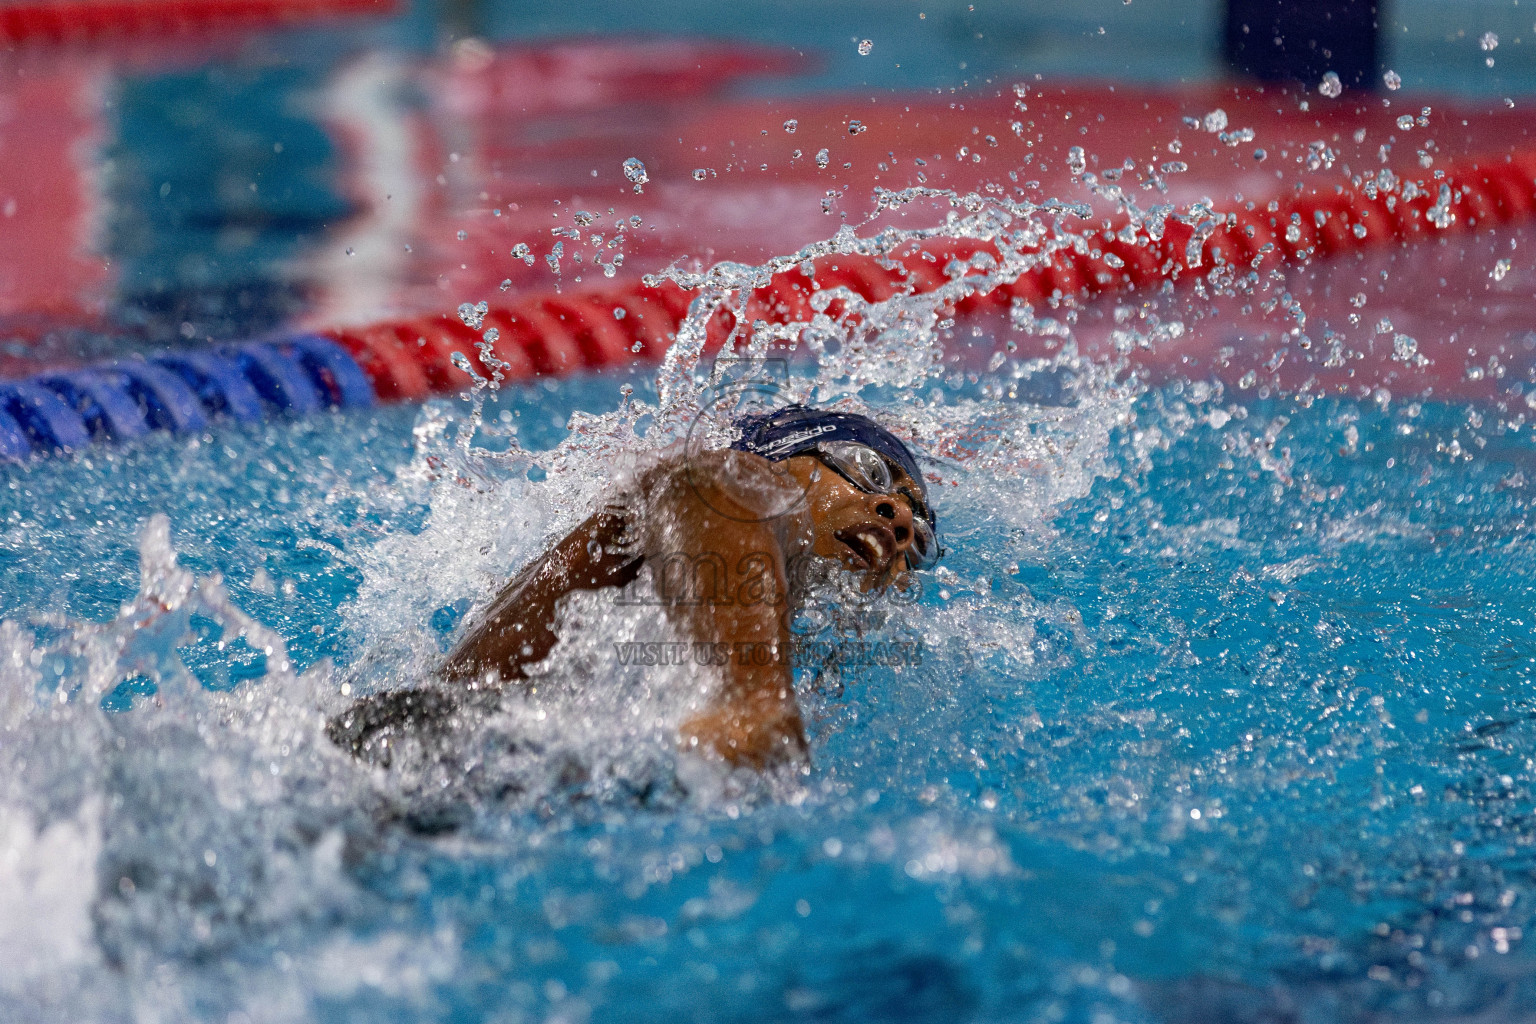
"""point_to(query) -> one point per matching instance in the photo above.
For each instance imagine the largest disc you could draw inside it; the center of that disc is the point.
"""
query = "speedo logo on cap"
(793, 440)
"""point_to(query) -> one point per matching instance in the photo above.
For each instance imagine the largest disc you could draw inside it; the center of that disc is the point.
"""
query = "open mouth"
(869, 546)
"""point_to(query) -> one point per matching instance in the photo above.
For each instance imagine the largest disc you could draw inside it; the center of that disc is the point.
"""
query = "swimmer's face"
(868, 534)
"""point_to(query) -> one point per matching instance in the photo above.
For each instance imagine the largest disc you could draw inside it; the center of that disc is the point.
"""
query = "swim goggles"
(871, 473)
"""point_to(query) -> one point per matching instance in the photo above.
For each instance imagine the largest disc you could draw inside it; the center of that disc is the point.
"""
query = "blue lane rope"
(63, 410)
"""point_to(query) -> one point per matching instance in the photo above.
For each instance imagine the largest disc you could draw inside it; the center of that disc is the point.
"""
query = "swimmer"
(730, 537)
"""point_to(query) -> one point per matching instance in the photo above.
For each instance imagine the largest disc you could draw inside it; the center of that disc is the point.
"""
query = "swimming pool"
(1215, 710)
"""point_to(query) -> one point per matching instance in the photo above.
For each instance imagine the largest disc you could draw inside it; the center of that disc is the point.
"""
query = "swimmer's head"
(871, 510)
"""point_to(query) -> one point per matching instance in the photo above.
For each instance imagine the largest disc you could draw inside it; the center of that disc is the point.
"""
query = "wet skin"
(732, 509)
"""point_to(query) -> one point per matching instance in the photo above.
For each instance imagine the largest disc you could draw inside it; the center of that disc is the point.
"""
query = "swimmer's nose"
(902, 528)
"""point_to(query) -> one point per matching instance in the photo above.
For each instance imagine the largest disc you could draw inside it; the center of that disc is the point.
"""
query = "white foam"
(47, 888)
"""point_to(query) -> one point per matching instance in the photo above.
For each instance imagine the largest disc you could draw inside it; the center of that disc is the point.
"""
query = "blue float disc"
(14, 443)
(333, 370)
(168, 402)
(277, 378)
(101, 401)
(218, 381)
(44, 415)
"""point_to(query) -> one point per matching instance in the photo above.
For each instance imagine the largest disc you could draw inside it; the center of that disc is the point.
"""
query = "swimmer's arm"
(517, 628)
(753, 719)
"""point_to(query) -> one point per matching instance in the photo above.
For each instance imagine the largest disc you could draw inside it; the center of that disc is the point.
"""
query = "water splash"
(144, 640)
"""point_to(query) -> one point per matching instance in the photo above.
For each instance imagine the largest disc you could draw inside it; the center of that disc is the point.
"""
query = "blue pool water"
(1222, 714)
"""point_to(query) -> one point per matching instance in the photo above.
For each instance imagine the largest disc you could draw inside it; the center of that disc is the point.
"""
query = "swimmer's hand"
(757, 726)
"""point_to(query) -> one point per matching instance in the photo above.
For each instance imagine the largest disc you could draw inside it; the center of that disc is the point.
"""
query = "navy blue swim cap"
(797, 429)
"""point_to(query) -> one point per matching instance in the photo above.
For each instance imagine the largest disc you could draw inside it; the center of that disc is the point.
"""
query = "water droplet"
(492, 335)
(473, 315)
(1359, 230)
(1500, 269)
(823, 158)
(1392, 80)
(856, 127)
(634, 170)
(1077, 160)
(506, 284)
(619, 312)
(351, 251)
(1260, 154)
(522, 252)
(1405, 122)
(1331, 86)
(865, 46)
(1441, 215)
(1490, 41)
(1216, 120)
(791, 125)
(700, 173)
(463, 235)
(1384, 326)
